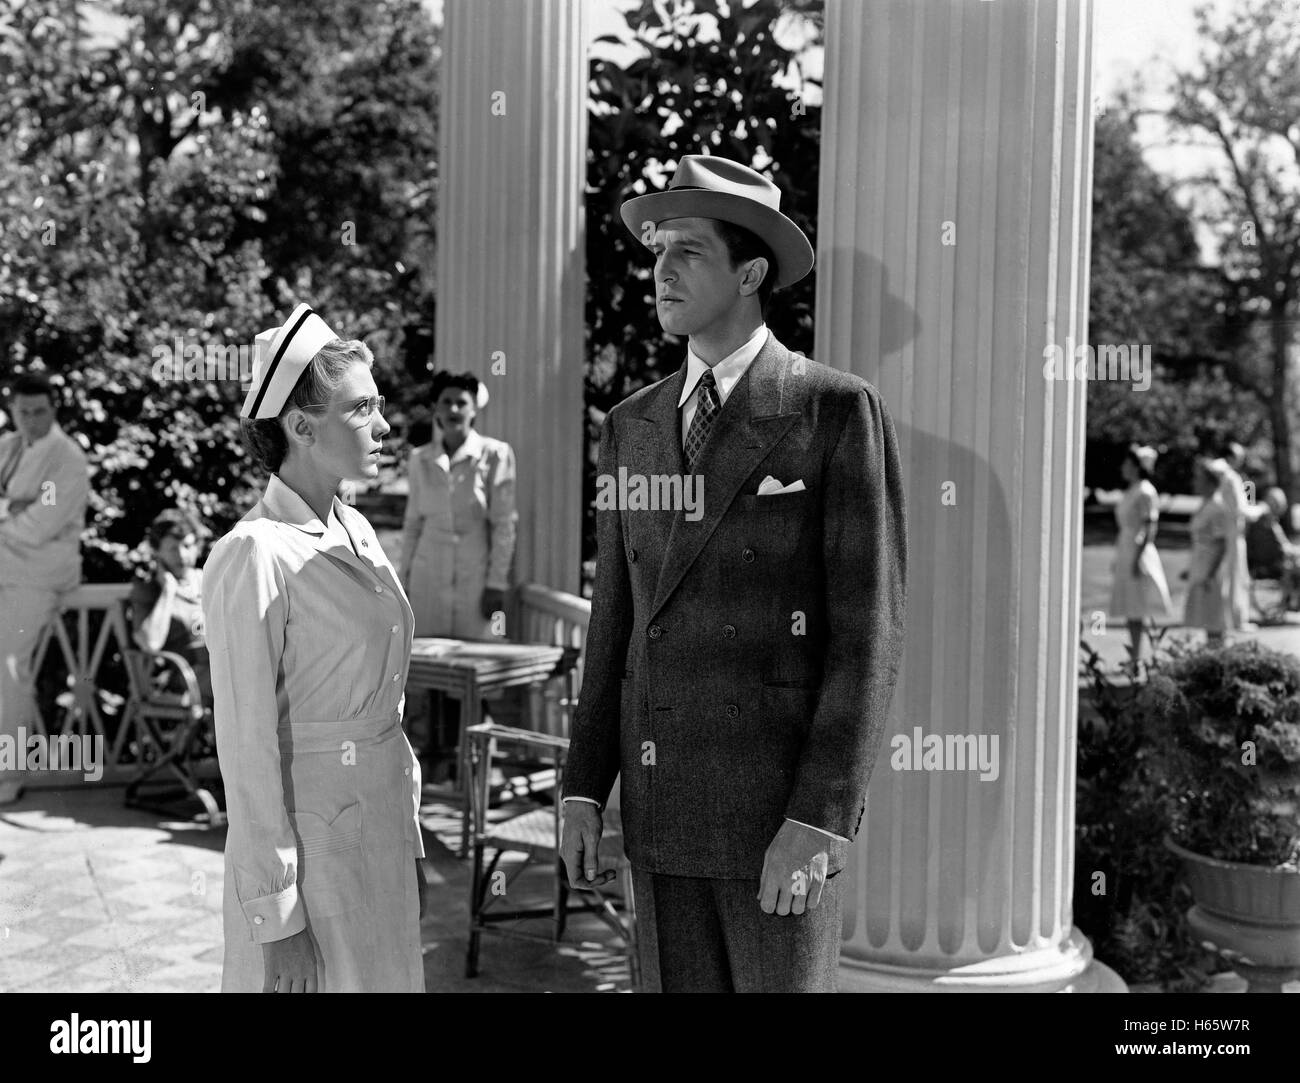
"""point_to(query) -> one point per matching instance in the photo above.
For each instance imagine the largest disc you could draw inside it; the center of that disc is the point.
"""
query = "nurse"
(309, 635)
(458, 538)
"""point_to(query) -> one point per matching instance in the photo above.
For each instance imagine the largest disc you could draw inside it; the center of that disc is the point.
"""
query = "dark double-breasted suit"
(739, 667)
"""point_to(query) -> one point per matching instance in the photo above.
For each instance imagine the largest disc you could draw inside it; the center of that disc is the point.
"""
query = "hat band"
(275, 361)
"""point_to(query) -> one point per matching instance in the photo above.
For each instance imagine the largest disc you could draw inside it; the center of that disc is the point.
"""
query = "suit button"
(631, 556)
(396, 676)
(747, 556)
(394, 629)
(728, 631)
(655, 631)
(258, 920)
(379, 590)
(733, 711)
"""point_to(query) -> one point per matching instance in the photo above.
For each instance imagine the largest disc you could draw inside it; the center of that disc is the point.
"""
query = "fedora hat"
(708, 187)
(279, 356)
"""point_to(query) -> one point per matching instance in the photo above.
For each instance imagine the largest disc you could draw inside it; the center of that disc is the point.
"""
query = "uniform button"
(406, 770)
(379, 590)
(728, 631)
(733, 711)
(258, 920)
(655, 631)
(631, 556)
(747, 556)
(396, 676)
(394, 629)
(365, 545)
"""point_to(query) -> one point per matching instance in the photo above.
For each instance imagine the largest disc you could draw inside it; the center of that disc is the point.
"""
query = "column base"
(1069, 968)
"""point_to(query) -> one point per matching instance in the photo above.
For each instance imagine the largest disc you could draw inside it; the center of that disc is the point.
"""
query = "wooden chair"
(175, 734)
(534, 833)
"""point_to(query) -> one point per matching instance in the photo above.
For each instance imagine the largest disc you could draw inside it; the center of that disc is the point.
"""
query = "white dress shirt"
(41, 545)
(726, 374)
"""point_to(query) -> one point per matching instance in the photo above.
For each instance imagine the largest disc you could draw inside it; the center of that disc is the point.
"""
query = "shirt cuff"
(275, 917)
(589, 800)
(821, 830)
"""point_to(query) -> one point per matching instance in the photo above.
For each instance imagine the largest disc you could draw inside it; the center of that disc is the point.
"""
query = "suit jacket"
(739, 667)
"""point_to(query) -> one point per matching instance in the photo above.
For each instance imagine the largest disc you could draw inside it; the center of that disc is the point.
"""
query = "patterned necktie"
(706, 409)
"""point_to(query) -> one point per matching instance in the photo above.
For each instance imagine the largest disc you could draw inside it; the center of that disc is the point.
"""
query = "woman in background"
(1139, 591)
(1209, 581)
(167, 608)
(458, 538)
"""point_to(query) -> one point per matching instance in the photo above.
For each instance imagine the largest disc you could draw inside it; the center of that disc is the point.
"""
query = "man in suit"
(44, 486)
(740, 663)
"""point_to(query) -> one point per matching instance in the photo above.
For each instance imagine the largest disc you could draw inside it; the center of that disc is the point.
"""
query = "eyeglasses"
(361, 413)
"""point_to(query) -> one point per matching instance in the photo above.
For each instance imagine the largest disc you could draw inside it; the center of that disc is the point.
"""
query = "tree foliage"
(187, 172)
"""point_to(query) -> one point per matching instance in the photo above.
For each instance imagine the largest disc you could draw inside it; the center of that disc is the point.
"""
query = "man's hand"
(491, 601)
(580, 843)
(794, 871)
(423, 885)
(290, 964)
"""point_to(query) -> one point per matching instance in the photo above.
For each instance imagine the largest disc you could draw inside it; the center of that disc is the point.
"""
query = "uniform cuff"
(275, 917)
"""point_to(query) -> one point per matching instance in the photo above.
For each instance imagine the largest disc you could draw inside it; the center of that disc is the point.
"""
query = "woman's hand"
(290, 964)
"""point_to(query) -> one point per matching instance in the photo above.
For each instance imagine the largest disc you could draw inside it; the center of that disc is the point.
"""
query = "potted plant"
(1224, 726)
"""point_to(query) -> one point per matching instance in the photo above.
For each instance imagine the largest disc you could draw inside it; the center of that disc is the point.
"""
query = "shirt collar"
(472, 448)
(727, 372)
(289, 507)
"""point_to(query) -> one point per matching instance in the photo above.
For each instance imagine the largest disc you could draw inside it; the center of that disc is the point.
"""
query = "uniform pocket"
(331, 867)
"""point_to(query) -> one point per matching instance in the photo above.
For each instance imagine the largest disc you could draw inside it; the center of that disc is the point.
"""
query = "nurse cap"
(279, 357)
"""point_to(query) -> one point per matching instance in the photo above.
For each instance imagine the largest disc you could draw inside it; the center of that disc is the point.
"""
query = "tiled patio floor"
(98, 898)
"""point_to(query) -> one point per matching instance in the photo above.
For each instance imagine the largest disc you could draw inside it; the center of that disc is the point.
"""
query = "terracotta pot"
(1249, 914)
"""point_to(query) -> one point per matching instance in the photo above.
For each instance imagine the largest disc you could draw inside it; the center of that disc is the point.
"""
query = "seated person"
(1272, 555)
(167, 607)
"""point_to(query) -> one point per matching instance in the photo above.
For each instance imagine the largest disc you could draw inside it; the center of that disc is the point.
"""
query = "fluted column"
(953, 247)
(512, 167)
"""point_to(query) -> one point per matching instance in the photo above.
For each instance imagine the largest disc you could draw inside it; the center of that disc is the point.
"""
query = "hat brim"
(790, 246)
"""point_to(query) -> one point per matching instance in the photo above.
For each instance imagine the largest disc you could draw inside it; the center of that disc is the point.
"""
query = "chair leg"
(476, 896)
(633, 945)
(561, 900)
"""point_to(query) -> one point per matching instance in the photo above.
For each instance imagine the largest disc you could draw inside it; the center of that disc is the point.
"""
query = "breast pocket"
(775, 524)
(331, 865)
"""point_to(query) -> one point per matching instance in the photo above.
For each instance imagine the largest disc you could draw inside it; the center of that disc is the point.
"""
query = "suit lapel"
(749, 426)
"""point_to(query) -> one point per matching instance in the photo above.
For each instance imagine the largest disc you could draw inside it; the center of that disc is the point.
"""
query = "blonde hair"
(265, 439)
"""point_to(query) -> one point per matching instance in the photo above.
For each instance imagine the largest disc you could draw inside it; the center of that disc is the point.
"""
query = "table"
(466, 670)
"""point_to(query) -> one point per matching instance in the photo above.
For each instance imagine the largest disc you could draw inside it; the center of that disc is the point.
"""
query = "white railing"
(89, 634)
(559, 619)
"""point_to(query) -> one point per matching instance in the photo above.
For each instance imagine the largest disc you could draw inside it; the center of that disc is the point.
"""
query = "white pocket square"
(771, 487)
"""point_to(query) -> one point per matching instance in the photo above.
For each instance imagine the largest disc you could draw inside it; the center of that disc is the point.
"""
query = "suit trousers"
(24, 613)
(699, 935)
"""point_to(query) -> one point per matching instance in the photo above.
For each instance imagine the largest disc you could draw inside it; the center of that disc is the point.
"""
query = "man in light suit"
(44, 486)
(740, 662)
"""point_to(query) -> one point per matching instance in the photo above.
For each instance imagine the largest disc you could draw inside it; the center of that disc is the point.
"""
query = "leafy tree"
(189, 173)
(1148, 285)
(1244, 95)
